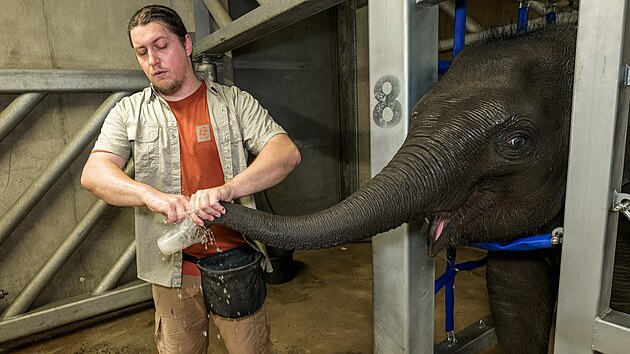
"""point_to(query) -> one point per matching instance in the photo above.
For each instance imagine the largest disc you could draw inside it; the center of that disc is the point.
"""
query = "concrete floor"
(325, 309)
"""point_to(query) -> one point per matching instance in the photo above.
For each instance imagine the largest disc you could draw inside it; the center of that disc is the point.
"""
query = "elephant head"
(484, 160)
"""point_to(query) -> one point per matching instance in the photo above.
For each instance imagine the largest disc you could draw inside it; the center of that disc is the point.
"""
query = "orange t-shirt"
(200, 167)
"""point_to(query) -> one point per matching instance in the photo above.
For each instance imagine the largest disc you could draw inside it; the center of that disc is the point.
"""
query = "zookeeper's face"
(162, 56)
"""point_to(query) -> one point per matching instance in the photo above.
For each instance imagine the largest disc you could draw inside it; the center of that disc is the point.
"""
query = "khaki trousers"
(181, 323)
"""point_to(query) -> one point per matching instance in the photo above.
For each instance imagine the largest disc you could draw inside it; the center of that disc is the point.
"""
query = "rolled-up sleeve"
(256, 123)
(114, 137)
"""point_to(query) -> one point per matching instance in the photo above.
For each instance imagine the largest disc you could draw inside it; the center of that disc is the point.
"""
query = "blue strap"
(551, 17)
(443, 66)
(460, 27)
(523, 13)
(523, 244)
(459, 38)
(447, 280)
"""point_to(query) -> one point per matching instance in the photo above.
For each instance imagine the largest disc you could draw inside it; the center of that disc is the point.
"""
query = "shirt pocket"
(146, 152)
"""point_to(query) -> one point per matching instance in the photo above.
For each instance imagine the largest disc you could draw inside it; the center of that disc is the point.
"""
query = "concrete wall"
(61, 34)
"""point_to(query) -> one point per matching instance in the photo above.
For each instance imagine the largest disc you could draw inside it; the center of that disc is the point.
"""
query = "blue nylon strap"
(522, 244)
(449, 295)
(460, 27)
(523, 13)
(459, 35)
(551, 17)
(447, 280)
(443, 66)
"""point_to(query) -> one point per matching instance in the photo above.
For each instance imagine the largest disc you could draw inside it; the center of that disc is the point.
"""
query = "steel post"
(598, 138)
(403, 67)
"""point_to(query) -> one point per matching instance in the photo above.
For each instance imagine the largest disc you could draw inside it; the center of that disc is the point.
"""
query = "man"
(189, 142)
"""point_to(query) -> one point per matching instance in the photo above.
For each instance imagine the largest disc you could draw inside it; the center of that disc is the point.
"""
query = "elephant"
(485, 159)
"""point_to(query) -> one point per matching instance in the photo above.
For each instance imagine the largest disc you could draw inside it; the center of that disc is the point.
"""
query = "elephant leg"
(522, 289)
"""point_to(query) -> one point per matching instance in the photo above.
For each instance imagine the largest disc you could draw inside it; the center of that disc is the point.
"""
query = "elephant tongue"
(437, 228)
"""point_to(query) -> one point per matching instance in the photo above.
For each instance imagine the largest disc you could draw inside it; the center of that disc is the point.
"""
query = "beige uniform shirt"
(143, 127)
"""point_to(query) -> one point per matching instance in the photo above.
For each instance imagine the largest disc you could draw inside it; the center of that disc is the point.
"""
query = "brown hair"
(158, 13)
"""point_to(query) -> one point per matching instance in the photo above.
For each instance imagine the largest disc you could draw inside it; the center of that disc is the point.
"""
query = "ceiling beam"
(259, 22)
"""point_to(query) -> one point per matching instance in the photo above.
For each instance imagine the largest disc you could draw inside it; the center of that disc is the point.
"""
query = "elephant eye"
(516, 142)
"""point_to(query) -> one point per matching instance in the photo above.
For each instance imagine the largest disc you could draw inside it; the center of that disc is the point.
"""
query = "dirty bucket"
(232, 282)
(282, 263)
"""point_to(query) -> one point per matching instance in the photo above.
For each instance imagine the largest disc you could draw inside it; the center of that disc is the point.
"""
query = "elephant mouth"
(441, 229)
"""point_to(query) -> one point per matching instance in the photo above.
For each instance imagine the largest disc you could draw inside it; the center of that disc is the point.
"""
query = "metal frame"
(15, 322)
(598, 132)
(403, 58)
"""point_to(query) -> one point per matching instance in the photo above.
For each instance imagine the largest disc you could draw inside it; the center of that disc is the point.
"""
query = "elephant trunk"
(393, 197)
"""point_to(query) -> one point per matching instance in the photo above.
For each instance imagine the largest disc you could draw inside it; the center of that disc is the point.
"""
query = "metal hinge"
(621, 203)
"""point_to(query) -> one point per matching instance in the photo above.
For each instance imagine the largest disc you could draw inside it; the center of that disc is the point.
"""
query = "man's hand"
(175, 207)
(206, 202)
(103, 176)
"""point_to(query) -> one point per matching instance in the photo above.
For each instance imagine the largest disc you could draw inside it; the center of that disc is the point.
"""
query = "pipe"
(17, 110)
(58, 80)
(117, 271)
(48, 271)
(218, 12)
(29, 198)
(472, 26)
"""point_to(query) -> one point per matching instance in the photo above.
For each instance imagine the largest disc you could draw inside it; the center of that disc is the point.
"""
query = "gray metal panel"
(612, 333)
(403, 55)
(598, 128)
(56, 80)
(258, 23)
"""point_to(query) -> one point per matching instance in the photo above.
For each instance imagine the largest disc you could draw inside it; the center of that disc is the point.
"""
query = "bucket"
(232, 282)
(282, 263)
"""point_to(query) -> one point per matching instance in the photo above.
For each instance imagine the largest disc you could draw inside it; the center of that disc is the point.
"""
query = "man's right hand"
(103, 175)
(173, 206)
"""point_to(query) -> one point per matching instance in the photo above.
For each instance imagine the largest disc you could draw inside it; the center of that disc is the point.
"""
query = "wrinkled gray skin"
(485, 160)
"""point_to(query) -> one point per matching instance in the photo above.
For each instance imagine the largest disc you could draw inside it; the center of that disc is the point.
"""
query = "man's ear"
(188, 46)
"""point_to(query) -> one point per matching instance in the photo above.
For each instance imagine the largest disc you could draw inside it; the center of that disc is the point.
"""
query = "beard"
(168, 89)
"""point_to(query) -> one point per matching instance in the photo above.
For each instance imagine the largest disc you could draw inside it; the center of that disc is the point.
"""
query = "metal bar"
(403, 67)
(218, 12)
(118, 270)
(56, 168)
(55, 80)
(77, 310)
(598, 133)
(258, 23)
(448, 7)
(47, 272)
(17, 110)
(348, 119)
(612, 333)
